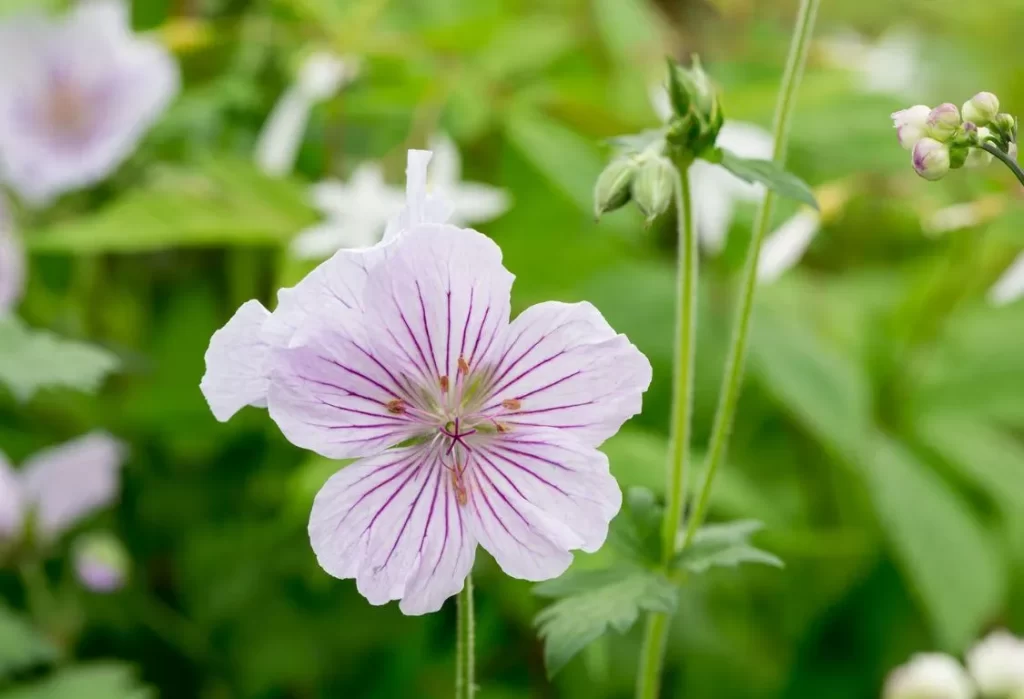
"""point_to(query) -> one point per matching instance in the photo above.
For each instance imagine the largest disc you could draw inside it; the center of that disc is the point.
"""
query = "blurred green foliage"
(879, 434)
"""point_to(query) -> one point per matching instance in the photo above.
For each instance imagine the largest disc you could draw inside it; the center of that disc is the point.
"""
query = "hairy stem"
(465, 670)
(735, 363)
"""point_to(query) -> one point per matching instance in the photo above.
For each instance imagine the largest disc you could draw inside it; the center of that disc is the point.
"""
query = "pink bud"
(943, 121)
(910, 124)
(931, 159)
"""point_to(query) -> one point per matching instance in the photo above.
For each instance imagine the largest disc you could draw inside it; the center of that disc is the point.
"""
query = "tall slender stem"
(1006, 160)
(735, 363)
(465, 670)
(652, 653)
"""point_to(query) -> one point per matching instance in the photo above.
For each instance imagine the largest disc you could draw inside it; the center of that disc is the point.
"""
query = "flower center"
(67, 110)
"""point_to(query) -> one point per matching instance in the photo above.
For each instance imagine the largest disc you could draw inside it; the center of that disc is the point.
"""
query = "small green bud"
(981, 109)
(958, 156)
(698, 115)
(653, 185)
(612, 190)
(1004, 125)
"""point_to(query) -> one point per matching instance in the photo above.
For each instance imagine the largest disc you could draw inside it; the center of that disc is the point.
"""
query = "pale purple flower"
(101, 563)
(76, 95)
(910, 124)
(469, 429)
(997, 664)
(12, 264)
(60, 486)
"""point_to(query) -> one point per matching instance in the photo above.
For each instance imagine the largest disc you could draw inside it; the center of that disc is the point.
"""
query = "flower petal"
(71, 481)
(236, 363)
(441, 295)
(420, 206)
(562, 366)
(534, 497)
(12, 506)
(330, 393)
(393, 523)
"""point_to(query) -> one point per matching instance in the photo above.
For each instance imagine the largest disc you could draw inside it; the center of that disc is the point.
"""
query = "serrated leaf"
(725, 545)
(31, 360)
(592, 602)
(766, 172)
(21, 646)
(94, 681)
(227, 202)
(636, 530)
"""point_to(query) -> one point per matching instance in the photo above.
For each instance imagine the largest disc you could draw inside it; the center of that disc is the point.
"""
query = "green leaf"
(725, 545)
(592, 602)
(947, 556)
(636, 530)
(94, 681)
(21, 646)
(31, 360)
(769, 174)
(227, 202)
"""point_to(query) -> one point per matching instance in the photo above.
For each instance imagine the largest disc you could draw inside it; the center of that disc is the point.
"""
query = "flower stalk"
(465, 669)
(1006, 160)
(734, 367)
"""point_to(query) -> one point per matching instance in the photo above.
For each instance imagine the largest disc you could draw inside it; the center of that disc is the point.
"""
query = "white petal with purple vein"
(236, 363)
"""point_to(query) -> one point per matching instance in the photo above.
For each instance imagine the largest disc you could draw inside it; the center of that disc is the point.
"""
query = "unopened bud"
(101, 563)
(943, 121)
(697, 111)
(979, 157)
(982, 108)
(1005, 125)
(652, 187)
(612, 190)
(931, 159)
(910, 124)
(958, 156)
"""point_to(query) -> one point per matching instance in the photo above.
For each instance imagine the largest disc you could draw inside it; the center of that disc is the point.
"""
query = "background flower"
(929, 676)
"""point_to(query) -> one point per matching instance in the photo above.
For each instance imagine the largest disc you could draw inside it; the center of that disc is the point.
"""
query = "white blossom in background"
(77, 93)
(12, 265)
(714, 191)
(929, 676)
(59, 486)
(357, 213)
(321, 76)
(997, 665)
(891, 65)
(783, 249)
(1010, 286)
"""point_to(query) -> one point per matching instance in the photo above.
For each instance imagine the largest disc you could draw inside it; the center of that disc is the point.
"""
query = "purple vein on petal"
(426, 329)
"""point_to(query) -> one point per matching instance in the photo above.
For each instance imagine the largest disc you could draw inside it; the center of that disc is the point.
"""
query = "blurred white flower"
(997, 665)
(929, 676)
(714, 191)
(358, 212)
(1009, 287)
(76, 95)
(60, 486)
(784, 248)
(891, 65)
(12, 265)
(320, 78)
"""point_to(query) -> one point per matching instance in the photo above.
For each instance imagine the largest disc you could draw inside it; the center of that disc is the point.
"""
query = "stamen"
(511, 404)
(444, 384)
(396, 406)
(459, 487)
(463, 365)
(501, 427)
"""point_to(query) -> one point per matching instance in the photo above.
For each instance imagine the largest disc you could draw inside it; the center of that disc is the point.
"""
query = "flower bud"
(612, 190)
(958, 155)
(101, 563)
(981, 108)
(931, 159)
(997, 664)
(652, 186)
(978, 158)
(942, 122)
(910, 124)
(931, 675)
(697, 112)
(1004, 125)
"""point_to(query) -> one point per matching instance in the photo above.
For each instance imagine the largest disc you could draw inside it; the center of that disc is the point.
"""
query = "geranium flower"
(59, 486)
(469, 429)
(76, 96)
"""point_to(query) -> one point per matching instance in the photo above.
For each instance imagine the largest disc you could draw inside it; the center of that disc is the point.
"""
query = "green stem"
(734, 366)
(652, 653)
(1006, 159)
(465, 671)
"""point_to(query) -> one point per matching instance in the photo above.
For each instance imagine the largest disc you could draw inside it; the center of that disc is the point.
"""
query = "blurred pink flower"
(60, 486)
(76, 95)
(470, 429)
